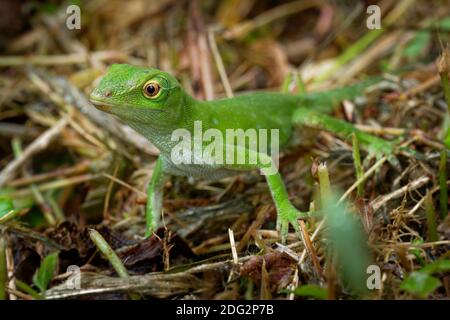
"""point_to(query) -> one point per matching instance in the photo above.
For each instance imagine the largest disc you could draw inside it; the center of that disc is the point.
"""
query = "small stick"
(46, 209)
(61, 59)
(233, 247)
(346, 194)
(10, 270)
(219, 64)
(54, 185)
(108, 195)
(124, 184)
(413, 245)
(358, 165)
(35, 147)
(382, 130)
(256, 224)
(431, 218)
(443, 193)
(310, 248)
(269, 16)
(78, 168)
(363, 178)
(3, 269)
(380, 201)
(443, 66)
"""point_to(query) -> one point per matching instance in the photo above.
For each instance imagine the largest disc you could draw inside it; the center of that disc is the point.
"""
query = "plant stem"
(111, 255)
(358, 166)
(431, 218)
(3, 269)
(324, 182)
(443, 189)
(443, 66)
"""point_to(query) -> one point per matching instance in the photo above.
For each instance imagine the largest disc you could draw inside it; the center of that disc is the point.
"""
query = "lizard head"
(138, 94)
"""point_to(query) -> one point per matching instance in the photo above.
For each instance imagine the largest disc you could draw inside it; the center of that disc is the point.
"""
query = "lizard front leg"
(286, 212)
(155, 193)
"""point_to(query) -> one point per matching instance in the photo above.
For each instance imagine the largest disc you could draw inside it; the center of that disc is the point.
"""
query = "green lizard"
(153, 103)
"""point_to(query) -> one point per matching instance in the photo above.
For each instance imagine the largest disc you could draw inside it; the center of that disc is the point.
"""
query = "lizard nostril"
(108, 93)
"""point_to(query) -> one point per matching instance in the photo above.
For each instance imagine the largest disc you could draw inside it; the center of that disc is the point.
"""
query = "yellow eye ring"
(151, 89)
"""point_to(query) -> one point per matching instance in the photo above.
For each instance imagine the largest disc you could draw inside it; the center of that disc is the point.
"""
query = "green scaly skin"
(121, 93)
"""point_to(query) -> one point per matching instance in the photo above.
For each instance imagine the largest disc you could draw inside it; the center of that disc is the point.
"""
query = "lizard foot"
(288, 215)
(382, 148)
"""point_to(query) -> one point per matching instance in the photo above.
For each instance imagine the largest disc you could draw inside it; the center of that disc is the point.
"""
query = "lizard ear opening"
(151, 89)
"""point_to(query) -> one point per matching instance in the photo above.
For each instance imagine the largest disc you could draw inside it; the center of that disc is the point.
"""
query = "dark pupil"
(151, 90)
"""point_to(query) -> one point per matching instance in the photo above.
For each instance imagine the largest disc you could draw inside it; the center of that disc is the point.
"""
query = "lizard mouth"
(112, 108)
(101, 105)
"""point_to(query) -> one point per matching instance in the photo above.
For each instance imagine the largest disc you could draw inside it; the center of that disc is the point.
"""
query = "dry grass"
(69, 167)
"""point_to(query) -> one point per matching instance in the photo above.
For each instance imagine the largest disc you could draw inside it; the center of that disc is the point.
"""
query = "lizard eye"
(151, 89)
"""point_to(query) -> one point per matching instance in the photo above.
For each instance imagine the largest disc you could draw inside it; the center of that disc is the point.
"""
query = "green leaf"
(34, 218)
(7, 211)
(313, 291)
(437, 266)
(18, 202)
(417, 44)
(444, 24)
(46, 272)
(6, 206)
(348, 244)
(420, 283)
(417, 252)
(49, 8)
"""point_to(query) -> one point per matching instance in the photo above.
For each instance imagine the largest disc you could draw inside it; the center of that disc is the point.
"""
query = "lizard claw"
(288, 215)
(382, 148)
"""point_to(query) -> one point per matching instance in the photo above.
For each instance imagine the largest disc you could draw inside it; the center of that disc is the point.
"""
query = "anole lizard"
(153, 103)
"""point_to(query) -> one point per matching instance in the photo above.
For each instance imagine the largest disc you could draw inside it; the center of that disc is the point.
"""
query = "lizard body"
(153, 103)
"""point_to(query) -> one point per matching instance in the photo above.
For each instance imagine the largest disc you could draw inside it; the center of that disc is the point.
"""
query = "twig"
(10, 269)
(431, 218)
(359, 46)
(202, 50)
(63, 93)
(124, 184)
(382, 130)
(54, 185)
(156, 284)
(381, 200)
(367, 174)
(269, 16)
(233, 247)
(420, 202)
(3, 269)
(35, 147)
(108, 195)
(61, 59)
(219, 64)
(47, 210)
(344, 196)
(443, 193)
(256, 224)
(78, 168)
(413, 245)
(310, 247)
(358, 165)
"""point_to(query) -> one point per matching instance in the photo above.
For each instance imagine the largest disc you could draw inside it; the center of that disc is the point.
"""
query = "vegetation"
(73, 179)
